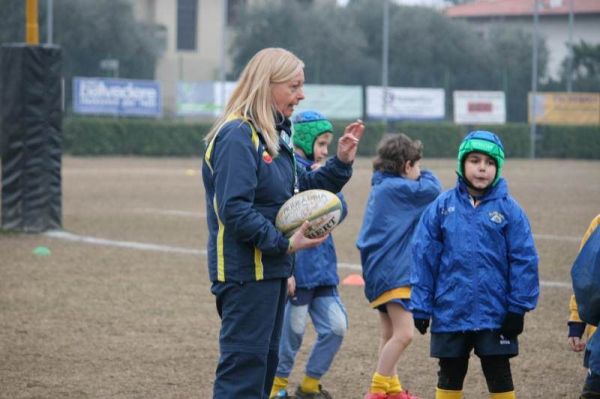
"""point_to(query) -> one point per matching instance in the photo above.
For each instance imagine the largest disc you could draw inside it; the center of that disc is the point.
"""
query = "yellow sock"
(503, 395)
(395, 386)
(309, 385)
(279, 383)
(447, 394)
(379, 383)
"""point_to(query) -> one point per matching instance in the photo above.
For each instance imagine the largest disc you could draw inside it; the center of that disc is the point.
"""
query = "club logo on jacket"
(447, 211)
(267, 157)
(496, 217)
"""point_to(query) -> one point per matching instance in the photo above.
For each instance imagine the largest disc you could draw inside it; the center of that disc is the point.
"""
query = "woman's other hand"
(299, 241)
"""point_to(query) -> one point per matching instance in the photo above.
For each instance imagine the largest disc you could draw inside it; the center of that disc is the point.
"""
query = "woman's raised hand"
(348, 143)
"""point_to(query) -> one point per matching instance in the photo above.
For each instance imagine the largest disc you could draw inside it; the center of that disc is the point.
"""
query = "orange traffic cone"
(354, 279)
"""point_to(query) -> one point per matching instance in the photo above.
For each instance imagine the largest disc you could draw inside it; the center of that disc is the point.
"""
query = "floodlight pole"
(49, 21)
(534, 79)
(384, 59)
(570, 59)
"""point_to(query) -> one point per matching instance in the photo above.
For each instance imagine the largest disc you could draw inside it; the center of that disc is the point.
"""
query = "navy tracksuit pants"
(251, 319)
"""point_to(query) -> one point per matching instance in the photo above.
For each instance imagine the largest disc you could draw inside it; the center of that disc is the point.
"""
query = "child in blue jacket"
(313, 287)
(474, 272)
(586, 284)
(400, 192)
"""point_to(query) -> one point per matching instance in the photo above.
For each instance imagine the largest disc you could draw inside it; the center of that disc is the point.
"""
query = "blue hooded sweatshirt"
(391, 215)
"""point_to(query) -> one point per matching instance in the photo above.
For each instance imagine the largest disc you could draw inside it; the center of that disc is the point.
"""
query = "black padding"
(31, 126)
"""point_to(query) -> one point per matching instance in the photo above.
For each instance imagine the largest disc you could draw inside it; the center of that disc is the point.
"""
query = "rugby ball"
(322, 209)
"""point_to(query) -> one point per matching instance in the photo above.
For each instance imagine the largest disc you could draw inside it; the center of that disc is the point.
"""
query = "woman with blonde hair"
(248, 172)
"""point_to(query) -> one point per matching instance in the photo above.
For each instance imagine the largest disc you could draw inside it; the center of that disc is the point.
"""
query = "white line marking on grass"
(558, 284)
(63, 235)
(123, 244)
(172, 212)
(556, 238)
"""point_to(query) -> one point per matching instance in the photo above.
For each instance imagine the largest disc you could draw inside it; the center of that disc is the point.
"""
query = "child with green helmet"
(482, 142)
(475, 271)
(308, 126)
(313, 287)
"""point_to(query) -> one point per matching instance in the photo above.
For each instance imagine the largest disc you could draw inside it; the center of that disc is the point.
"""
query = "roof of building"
(519, 8)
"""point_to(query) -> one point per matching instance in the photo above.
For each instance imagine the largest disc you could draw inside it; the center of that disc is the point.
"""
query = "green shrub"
(119, 136)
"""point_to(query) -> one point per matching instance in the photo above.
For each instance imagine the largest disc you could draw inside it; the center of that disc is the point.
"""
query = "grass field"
(122, 308)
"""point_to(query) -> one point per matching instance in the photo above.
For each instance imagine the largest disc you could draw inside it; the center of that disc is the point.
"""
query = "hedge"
(118, 136)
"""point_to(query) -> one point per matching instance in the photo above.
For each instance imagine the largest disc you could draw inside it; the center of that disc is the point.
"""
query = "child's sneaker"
(401, 395)
(322, 394)
(372, 395)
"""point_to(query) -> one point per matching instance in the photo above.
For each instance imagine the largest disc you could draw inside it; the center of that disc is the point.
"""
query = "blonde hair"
(252, 100)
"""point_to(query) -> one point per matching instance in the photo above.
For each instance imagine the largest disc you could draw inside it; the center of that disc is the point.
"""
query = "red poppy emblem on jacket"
(267, 158)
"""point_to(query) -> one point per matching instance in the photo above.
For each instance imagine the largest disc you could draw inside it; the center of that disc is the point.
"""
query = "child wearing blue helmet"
(312, 289)
(475, 271)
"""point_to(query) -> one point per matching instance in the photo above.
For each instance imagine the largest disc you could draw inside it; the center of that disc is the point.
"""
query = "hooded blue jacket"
(472, 265)
(585, 274)
(391, 215)
(317, 266)
(244, 189)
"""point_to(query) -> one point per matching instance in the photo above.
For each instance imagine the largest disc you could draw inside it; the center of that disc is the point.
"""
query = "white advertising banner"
(479, 107)
(333, 101)
(202, 98)
(406, 103)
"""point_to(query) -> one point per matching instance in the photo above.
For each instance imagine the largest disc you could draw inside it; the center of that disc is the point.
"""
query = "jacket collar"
(499, 190)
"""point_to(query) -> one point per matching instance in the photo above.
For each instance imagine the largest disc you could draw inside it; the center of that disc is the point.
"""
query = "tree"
(343, 45)
(512, 65)
(321, 36)
(585, 75)
(89, 31)
(426, 49)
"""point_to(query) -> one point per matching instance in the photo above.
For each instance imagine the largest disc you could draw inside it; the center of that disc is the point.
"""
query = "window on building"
(187, 24)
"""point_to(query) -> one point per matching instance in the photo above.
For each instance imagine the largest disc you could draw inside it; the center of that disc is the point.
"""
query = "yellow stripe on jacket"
(258, 264)
(574, 315)
(220, 245)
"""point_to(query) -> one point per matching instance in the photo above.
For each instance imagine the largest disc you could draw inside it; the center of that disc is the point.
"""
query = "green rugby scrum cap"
(485, 142)
(308, 125)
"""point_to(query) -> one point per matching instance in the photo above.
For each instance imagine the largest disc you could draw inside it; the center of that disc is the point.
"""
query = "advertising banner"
(121, 97)
(565, 108)
(406, 103)
(333, 101)
(472, 107)
(202, 98)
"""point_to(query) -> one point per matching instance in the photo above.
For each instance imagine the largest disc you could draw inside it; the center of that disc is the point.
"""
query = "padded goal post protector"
(31, 126)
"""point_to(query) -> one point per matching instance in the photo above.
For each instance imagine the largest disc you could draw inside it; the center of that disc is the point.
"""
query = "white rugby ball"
(322, 209)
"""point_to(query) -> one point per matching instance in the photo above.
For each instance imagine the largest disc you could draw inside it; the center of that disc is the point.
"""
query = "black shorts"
(485, 343)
